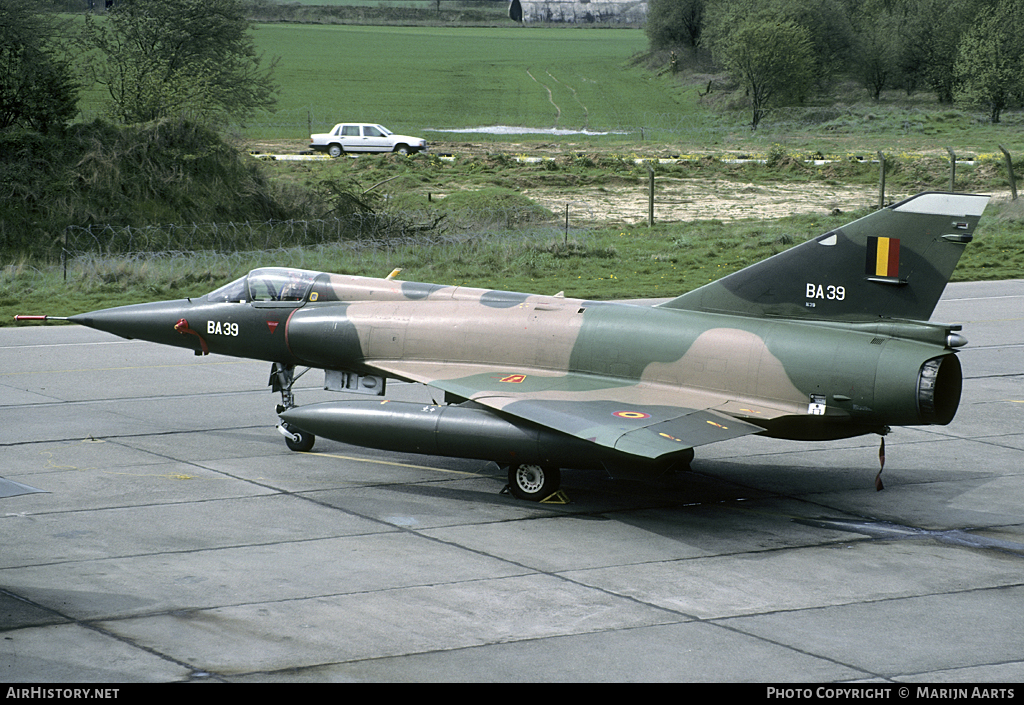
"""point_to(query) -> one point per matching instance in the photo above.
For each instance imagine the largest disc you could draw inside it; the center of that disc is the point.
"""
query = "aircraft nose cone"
(154, 322)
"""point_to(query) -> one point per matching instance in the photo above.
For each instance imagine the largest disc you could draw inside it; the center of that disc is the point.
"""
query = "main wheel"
(335, 150)
(402, 149)
(299, 441)
(533, 482)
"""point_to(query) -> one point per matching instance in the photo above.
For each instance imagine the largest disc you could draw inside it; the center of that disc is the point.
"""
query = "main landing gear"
(535, 483)
(282, 377)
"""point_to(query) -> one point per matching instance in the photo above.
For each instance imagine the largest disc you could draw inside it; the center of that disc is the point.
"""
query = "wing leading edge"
(640, 419)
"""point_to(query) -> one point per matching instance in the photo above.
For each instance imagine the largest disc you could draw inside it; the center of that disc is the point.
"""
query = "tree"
(878, 56)
(829, 32)
(908, 23)
(38, 88)
(827, 24)
(877, 49)
(773, 60)
(191, 58)
(672, 23)
(989, 67)
(931, 37)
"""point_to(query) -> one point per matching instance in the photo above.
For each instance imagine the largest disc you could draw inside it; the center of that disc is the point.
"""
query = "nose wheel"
(282, 377)
(296, 439)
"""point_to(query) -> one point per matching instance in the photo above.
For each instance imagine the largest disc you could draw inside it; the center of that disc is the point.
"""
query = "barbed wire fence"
(372, 240)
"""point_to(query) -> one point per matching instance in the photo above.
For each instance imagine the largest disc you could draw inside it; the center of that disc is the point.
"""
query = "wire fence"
(369, 229)
(376, 236)
(182, 267)
(231, 237)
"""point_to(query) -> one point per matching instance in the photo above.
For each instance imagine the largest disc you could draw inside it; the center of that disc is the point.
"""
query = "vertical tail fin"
(893, 263)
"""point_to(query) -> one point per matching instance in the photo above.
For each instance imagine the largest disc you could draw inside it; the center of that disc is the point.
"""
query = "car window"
(371, 131)
(350, 130)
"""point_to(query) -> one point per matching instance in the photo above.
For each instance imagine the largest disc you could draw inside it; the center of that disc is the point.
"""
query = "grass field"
(415, 78)
(418, 79)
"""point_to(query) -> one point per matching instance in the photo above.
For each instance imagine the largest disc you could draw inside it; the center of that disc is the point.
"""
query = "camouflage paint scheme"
(828, 339)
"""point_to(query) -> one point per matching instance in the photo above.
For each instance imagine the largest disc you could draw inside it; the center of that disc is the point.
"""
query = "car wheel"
(335, 150)
(402, 149)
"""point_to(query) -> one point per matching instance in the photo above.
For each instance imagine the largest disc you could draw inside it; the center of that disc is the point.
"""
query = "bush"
(98, 173)
(485, 208)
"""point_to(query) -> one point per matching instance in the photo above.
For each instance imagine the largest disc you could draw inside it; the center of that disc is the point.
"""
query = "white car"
(362, 137)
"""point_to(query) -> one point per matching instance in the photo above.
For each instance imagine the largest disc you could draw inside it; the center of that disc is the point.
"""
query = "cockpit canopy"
(266, 284)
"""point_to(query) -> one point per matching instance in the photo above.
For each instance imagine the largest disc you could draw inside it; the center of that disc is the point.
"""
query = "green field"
(416, 78)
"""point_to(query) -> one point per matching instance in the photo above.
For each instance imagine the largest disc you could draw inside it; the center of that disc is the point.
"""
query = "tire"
(402, 149)
(335, 150)
(533, 482)
(303, 443)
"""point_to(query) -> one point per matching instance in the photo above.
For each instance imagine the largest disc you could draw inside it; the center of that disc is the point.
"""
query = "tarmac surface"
(179, 539)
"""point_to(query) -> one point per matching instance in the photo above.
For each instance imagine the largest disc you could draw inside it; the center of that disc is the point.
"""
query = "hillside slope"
(161, 172)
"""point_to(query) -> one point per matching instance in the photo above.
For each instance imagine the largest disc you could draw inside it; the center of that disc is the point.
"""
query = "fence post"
(952, 169)
(650, 197)
(1009, 173)
(881, 181)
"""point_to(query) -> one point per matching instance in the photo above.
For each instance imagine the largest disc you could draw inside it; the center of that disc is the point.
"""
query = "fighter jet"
(829, 339)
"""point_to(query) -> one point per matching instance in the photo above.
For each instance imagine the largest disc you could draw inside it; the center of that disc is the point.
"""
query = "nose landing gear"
(296, 439)
(282, 377)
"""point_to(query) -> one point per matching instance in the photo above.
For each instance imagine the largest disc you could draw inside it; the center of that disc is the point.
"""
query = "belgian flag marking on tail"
(883, 258)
